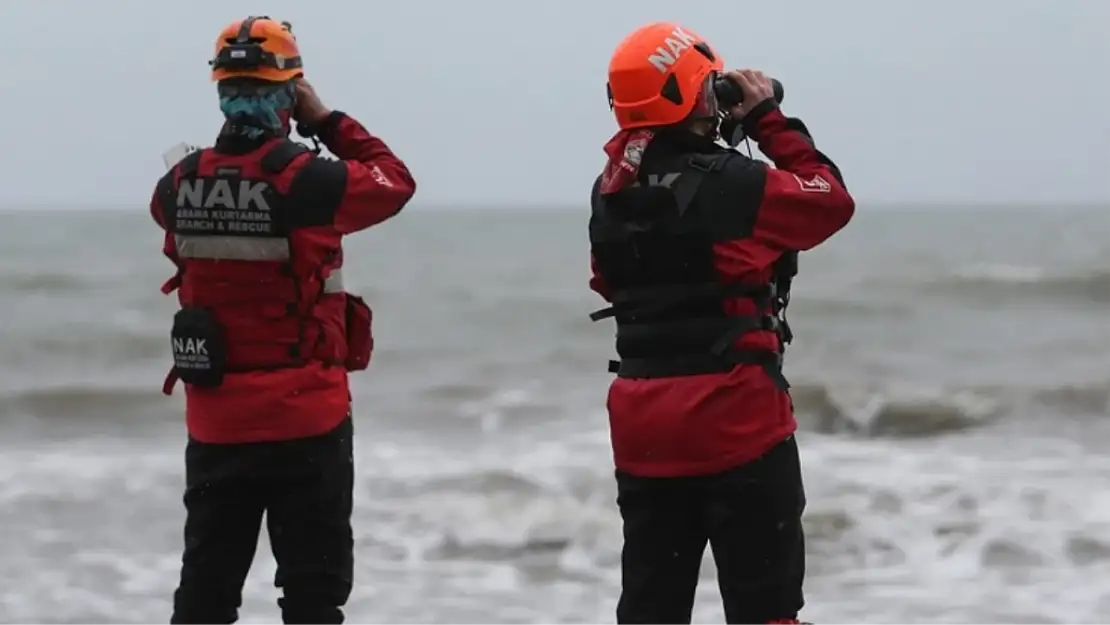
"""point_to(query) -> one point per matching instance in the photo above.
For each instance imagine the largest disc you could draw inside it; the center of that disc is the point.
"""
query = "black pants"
(750, 516)
(304, 487)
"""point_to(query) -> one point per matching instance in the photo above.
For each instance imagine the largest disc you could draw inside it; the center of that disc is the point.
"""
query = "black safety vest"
(653, 245)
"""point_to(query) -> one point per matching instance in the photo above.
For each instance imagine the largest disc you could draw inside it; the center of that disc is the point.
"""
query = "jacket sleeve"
(597, 282)
(163, 193)
(376, 184)
(163, 197)
(804, 198)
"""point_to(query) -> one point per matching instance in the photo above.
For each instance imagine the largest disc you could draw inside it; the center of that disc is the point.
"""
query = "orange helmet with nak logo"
(257, 47)
(658, 73)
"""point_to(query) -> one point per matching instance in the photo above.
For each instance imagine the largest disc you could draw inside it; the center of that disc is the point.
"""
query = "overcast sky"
(503, 101)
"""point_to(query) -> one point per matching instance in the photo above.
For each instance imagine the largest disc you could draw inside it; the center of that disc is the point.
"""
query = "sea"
(951, 374)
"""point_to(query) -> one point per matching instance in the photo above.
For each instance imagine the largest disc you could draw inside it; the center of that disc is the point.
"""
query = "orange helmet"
(257, 47)
(658, 74)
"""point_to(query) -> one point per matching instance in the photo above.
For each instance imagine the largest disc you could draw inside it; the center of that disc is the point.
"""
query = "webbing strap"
(190, 164)
(281, 155)
(770, 360)
(647, 300)
(698, 166)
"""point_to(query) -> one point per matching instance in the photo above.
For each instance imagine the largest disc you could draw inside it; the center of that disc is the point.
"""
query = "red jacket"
(268, 268)
(704, 424)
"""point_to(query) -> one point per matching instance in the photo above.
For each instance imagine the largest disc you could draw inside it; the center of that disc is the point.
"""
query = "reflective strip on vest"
(231, 248)
(245, 248)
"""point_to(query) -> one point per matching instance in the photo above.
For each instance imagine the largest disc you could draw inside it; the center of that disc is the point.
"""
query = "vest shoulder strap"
(786, 266)
(698, 166)
(281, 155)
(188, 165)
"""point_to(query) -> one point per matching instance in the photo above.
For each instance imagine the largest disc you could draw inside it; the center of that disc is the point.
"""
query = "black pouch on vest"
(199, 350)
(360, 335)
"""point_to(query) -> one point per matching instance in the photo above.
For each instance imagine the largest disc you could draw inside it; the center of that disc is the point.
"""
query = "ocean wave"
(115, 341)
(84, 403)
(892, 525)
(906, 413)
(1089, 399)
(820, 407)
(1003, 280)
(827, 407)
(1000, 272)
(917, 413)
(883, 520)
(49, 282)
(825, 307)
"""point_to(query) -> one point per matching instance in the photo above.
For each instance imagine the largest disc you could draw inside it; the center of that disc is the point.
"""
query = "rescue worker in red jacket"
(695, 246)
(266, 335)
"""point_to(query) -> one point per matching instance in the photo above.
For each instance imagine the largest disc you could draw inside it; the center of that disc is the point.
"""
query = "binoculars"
(729, 93)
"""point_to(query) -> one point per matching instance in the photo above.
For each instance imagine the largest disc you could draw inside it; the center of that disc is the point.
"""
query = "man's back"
(753, 219)
(231, 267)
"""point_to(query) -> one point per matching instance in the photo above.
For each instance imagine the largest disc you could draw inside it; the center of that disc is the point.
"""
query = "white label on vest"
(220, 206)
(190, 353)
(190, 346)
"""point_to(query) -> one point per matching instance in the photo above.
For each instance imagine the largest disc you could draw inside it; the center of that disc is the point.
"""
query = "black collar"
(239, 144)
(675, 141)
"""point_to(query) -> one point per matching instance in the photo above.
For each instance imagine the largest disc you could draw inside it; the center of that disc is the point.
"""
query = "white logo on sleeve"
(816, 184)
(379, 177)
